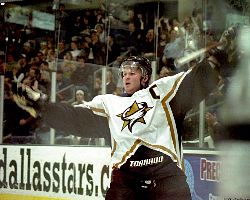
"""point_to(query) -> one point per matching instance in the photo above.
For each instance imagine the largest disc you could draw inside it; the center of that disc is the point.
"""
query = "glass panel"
(84, 43)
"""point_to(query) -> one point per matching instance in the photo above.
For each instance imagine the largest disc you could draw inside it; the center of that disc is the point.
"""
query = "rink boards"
(77, 172)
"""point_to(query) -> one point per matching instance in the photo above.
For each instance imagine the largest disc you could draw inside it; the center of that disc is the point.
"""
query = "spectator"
(2, 64)
(32, 78)
(75, 51)
(98, 49)
(100, 32)
(113, 49)
(117, 62)
(165, 71)
(79, 98)
(133, 38)
(28, 50)
(85, 24)
(45, 79)
(40, 56)
(44, 48)
(68, 66)
(80, 77)
(51, 59)
(62, 83)
(215, 128)
(62, 22)
(163, 40)
(11, 62)
(24, 66)
(110, 85)
(77, 26)
(62, 49)
(148, 46)
(174, 49)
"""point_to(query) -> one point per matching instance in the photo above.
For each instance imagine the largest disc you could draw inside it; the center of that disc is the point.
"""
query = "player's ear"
(144, 80)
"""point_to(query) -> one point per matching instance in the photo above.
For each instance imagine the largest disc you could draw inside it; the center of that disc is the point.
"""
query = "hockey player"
(145, 128)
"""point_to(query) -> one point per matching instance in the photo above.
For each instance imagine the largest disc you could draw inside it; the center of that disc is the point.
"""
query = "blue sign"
(203, 175)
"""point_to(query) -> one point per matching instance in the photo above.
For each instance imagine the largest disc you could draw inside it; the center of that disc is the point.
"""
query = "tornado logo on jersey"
(134, 113)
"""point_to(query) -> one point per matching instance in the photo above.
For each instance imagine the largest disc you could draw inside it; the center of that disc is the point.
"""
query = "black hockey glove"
(30, 100)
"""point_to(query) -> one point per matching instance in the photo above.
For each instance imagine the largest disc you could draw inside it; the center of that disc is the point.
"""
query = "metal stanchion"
(1, 106)
(201, 123)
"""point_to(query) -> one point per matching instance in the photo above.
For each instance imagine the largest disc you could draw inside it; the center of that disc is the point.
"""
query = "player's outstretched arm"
(61, 116)
(78, 120)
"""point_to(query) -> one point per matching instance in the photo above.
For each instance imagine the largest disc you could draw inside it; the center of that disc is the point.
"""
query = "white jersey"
(145, 118)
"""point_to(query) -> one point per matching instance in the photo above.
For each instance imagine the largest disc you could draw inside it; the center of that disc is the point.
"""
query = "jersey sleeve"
(97, 105)
(75, 120)
(167, 87)
(196, 86)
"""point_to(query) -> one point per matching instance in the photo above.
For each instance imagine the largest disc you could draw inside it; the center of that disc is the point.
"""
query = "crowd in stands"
(29, 56)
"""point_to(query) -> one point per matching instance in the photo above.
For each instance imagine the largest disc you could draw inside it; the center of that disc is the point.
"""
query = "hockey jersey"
(145, 118)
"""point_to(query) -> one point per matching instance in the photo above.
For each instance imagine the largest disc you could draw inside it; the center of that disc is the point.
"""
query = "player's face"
(131, 77)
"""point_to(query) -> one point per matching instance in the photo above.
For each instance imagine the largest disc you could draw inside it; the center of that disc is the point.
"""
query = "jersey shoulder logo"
(134, 113)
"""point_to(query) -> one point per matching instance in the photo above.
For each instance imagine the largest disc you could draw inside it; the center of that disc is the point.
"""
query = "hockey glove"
(30, 100)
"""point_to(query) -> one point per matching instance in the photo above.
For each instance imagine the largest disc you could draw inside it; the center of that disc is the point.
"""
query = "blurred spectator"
(217, 96)
(24, 66)
(32, 78)
(85, 24)
(99, 16)
(140, 22)
(148, 46)
(174, 49)
(62, 22)
(51, 59)
(118, 62)
(80, 77)
(2, 64)
(40, 56)
(197, 18)
(100, 32)
(131, 16)
(97, 85)
(165, 71)
(163, 40)
(133, 38)
(77, 26)
(215, 128)
(11, 62)
(34, 62)
(75, 51)
(85, 48)
(113, 49)
(62, 49)
(18, 72)
(61, 83)
(44, 48)
(50, 44)
(45, 78)
(163, 25)
(79, 98)
(28, 50)
(110, 85)
(68, 65)
(17, 76)
(173, 24)
(98, 49)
